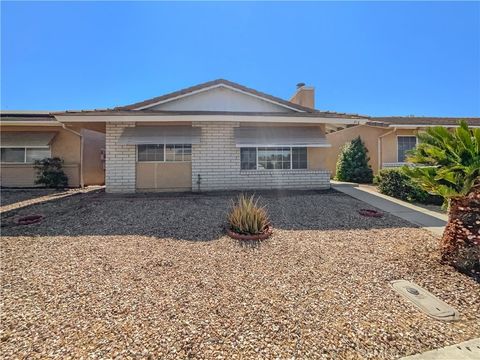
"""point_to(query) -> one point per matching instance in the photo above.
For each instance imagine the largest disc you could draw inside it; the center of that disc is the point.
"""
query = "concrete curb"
(468, 350)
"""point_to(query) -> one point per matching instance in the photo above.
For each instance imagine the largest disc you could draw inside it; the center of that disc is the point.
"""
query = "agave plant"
(449, 166)
(247, 217)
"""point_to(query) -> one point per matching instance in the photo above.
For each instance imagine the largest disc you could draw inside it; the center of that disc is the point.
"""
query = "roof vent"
(300, 84)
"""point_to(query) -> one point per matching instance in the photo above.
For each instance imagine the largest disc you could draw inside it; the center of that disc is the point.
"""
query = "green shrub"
(352, 164)
(247, 217)
(50, 173)
(393, 182)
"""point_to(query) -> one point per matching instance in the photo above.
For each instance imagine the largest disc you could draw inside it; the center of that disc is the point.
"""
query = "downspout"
(82, 184)
(379, 150)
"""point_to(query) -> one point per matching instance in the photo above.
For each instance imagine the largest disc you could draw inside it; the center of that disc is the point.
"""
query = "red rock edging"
(29, 219)
(370, 213)
(256, 237)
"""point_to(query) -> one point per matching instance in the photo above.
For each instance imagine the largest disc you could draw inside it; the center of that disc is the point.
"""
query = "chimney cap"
(300, 84)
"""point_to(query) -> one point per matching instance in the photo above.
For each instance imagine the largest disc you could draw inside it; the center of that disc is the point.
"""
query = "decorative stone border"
(256, 237)
(370, 213)
(29, 219)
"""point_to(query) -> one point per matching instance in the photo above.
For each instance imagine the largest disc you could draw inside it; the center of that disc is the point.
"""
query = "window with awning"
(148, 135)
(273, 158)
(25, 147)
(293, 136)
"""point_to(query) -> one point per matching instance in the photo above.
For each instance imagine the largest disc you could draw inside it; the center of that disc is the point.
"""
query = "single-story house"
(29, 136)
(387, 138)
(215, 136)
(218, 135)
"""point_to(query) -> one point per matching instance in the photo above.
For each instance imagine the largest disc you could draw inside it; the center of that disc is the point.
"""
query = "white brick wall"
(217, 161)
(120, 161)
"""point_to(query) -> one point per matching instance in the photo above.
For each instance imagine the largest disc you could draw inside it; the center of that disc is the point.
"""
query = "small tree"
(50, 173)
(453, 172)
(352, 164)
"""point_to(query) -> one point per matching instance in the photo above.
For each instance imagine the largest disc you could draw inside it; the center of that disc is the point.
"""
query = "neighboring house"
(215, 136)
(29, 136)
(387, 138)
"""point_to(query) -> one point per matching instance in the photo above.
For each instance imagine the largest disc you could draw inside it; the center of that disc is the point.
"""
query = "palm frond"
(453, 160)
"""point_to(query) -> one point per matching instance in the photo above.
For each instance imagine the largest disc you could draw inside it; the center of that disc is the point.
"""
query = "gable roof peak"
(205, 86)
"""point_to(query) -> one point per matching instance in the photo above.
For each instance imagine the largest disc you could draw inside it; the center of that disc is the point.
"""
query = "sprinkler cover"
(425, 301)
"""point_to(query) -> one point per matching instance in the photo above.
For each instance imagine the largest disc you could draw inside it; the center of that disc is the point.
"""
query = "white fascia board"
(30, 123)
(403, 126)
(212, 118)
(213, 87)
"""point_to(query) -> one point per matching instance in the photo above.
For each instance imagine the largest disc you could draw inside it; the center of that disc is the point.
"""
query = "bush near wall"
(393, 182)
(352, 163)
(50, 173)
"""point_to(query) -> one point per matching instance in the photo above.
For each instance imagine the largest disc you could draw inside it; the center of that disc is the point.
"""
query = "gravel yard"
(154, 275)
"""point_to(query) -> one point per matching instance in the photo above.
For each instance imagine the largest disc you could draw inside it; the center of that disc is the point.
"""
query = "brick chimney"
(305, 96)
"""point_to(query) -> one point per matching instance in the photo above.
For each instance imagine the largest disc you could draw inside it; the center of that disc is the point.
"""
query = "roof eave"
(142, 117)
(29, 123)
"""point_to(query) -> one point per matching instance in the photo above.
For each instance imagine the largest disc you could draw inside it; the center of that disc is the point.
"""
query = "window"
(299, 158)
(178, 152)
(150, 153)
(161, 152)
(275, 158)
(405, 143)
(13, 155)
(24, 155)
(248, 158)
(36, 154)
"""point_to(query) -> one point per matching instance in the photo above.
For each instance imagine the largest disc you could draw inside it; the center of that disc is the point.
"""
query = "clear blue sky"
(370, 58)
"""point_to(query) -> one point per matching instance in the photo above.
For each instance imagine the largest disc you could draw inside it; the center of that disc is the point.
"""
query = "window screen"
(168, 152)
(405, 143)
(37, 154)
(150, 152)
(248, 158)
(13, 155)
(299, 158)
(178, 152)
(274, 158)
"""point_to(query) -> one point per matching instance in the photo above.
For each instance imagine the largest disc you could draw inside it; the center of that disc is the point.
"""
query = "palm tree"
(449, 166)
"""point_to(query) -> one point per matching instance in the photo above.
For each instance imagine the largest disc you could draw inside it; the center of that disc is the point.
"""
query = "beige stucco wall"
(389, 144)
(317, 158)
(370, 136)
(24, 175)
(65, 145)
(174, 176)
(93, 166)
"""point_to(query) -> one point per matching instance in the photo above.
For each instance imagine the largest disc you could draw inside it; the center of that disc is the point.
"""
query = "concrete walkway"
(427, 219)
(468, 350)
